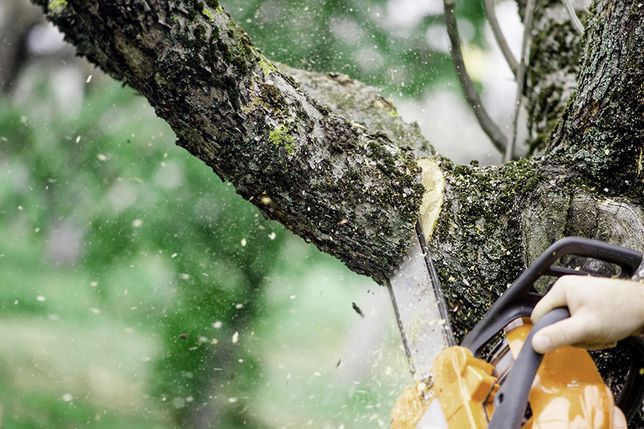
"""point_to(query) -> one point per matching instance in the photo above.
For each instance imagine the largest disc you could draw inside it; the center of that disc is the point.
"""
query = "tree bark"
(329, 157)
(601, 133)
(350, 187)
(552, 70)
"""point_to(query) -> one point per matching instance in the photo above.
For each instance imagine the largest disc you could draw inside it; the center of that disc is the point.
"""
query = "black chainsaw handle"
(632, 395)
(511, 400)
(518, 301)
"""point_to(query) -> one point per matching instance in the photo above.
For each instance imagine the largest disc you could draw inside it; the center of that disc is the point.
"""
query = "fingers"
(602, 311)
(553, 299)
(566, 332)
(594, 346)
(619, 420)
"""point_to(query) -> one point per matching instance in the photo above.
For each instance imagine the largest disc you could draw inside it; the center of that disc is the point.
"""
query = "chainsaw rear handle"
(511, 400)
(632, 395)
(519, 301)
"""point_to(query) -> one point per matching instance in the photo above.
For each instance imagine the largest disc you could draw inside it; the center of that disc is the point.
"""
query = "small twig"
(490, 14)
(487, 124)
(574, 19)
(521, 71)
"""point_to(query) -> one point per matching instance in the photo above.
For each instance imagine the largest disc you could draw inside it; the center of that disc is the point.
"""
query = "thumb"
(566, 332)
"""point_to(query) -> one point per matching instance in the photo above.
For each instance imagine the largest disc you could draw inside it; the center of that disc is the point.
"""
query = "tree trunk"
(330, 159)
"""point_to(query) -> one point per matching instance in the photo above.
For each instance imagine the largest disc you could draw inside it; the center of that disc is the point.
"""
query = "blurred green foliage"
(355, 37)
(137, 290)
(103, 206)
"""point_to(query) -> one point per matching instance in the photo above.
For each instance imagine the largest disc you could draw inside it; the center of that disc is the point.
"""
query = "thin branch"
(574, 19)
(490, 14)
(487, 124)
(521, 71)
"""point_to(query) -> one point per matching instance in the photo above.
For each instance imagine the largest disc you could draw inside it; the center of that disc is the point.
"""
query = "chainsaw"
(491, 381)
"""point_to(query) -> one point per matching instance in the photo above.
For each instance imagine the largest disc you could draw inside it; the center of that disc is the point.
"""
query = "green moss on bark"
(601, 133)
(266, 66)
(56, 7)
(352, 189)
(551, 76)
(279, 136)
(477, 245)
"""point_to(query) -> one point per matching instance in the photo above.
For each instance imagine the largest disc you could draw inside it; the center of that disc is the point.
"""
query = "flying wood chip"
(357, 309)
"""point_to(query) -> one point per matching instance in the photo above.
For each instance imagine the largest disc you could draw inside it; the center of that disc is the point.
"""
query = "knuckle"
(565, 281)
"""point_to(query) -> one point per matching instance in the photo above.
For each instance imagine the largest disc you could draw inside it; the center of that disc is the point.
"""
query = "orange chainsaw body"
(567, 393)
(515, 387)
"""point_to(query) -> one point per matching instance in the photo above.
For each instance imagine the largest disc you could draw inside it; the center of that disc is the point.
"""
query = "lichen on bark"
(338, 178)
(477, 246)
(601, 134)
(552, 71)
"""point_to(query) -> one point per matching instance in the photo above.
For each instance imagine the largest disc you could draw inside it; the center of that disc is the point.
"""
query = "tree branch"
(552, 75)
(348, 188)
(324, 155)
(490, 15)
(361, 104)
(528, 17)
(310, 152)
(574, 19)
(487, 124)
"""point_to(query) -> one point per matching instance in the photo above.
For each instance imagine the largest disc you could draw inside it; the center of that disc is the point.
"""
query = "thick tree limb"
(311, 152)
(552, 75)
(361, 104)
(599, 131)
(497, 220)
(350, 189)
(325, 155)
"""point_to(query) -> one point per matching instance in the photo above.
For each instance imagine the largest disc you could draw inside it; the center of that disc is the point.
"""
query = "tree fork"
(601, 133)
(323, 154)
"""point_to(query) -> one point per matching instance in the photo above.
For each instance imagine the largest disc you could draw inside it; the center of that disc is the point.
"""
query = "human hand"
(602, 312)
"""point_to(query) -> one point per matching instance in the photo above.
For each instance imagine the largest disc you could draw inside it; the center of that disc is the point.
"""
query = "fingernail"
(541, 343)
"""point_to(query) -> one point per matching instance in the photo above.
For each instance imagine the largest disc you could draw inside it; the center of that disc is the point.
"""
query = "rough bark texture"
(349, 188)
(601, 134)
(598, 130)
(329, 158)
(552, 74)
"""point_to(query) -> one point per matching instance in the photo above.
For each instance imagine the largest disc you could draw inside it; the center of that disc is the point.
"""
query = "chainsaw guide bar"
(420, 308)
